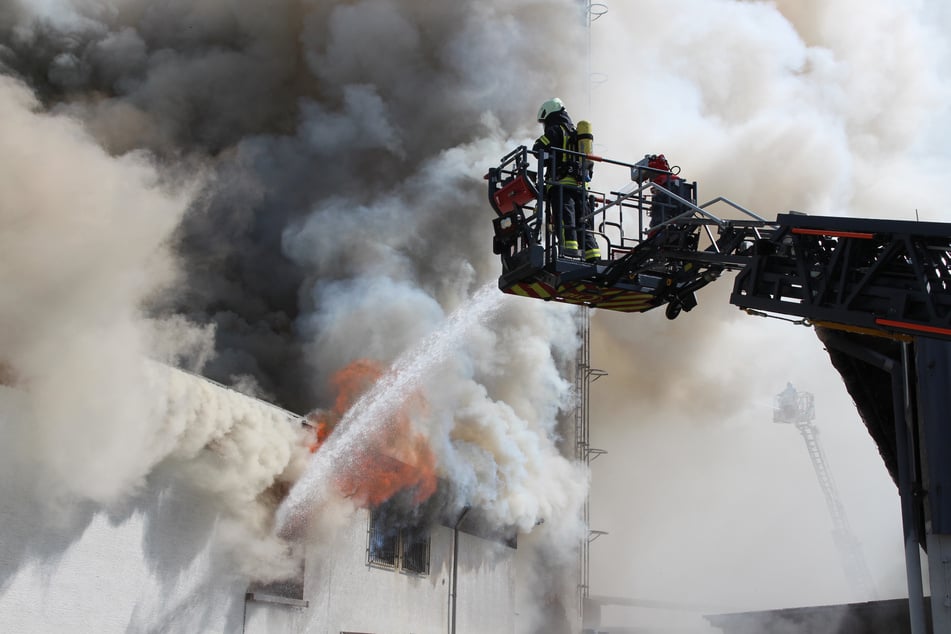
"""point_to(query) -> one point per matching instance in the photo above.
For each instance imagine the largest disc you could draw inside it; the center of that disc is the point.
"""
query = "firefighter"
(664, 207)
(565, 192)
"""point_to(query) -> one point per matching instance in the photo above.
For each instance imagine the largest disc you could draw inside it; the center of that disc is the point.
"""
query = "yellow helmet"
(552, 105)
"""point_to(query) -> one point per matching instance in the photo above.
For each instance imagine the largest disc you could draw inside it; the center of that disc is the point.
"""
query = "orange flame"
(393, 459)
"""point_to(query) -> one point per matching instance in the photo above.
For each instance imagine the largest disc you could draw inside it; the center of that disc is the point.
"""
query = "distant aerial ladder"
(798, 408)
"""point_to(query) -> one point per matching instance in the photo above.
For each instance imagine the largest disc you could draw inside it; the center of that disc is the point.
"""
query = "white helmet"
(552, 105)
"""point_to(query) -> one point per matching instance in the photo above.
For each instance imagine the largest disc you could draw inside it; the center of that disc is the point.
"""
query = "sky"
(250, 191)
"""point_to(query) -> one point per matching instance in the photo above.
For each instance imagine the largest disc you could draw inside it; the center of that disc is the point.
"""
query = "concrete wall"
(159, 572)
(158, 565)
(486, 592)
(345, 594)
(140, 573)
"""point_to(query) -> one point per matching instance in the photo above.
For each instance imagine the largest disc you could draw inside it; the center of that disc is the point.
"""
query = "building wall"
(160, 573)
(487, 589)
(346, 594)
(140, 574)
(159, 565)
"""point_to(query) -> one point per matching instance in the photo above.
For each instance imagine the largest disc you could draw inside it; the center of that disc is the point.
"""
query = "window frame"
(411, 547)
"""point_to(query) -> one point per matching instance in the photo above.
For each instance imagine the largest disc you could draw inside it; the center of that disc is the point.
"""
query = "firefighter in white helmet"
(565, 192)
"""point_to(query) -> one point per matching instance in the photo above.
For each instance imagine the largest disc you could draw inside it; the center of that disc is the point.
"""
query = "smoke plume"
(830, 108)
(266, 192)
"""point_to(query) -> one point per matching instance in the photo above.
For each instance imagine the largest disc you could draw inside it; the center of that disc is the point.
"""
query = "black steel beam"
(888, 275)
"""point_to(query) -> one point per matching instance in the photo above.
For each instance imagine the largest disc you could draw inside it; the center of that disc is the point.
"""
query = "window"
(384, 542)
(403, 548)
(415, 550)
(287, 591)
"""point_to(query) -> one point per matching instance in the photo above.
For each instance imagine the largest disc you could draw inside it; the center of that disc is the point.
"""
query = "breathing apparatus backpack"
(577, 139)
(585, 140)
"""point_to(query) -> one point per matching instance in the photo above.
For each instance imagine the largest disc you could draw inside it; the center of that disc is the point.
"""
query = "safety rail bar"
(643, 184)
(516, 164)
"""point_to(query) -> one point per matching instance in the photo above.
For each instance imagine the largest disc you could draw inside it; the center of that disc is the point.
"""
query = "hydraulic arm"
(885, 277)
(875, 276)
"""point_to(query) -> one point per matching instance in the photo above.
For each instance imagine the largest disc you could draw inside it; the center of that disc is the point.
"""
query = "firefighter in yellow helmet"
(565, 193)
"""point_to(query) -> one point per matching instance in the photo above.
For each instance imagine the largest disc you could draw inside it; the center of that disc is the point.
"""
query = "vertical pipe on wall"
(454, 577)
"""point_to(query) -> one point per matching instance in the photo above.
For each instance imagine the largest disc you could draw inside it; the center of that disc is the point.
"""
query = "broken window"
(288, 591)
(405, 548)
(415, 550)
(384, 541)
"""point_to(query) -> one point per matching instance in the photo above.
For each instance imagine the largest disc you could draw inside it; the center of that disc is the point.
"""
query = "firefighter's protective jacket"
(558, 129)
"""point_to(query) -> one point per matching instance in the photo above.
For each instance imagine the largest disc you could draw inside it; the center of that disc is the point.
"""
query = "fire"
(393, 459)
(350, 382)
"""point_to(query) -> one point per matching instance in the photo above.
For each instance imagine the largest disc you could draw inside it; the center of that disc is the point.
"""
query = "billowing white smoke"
(235, 450)
(84, 243)
(815, 106)
(266, 191)
(334, 209)
(830, 108)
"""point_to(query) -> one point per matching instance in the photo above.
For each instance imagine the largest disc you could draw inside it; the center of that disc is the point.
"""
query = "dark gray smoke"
(325, 133)
(265, 192)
